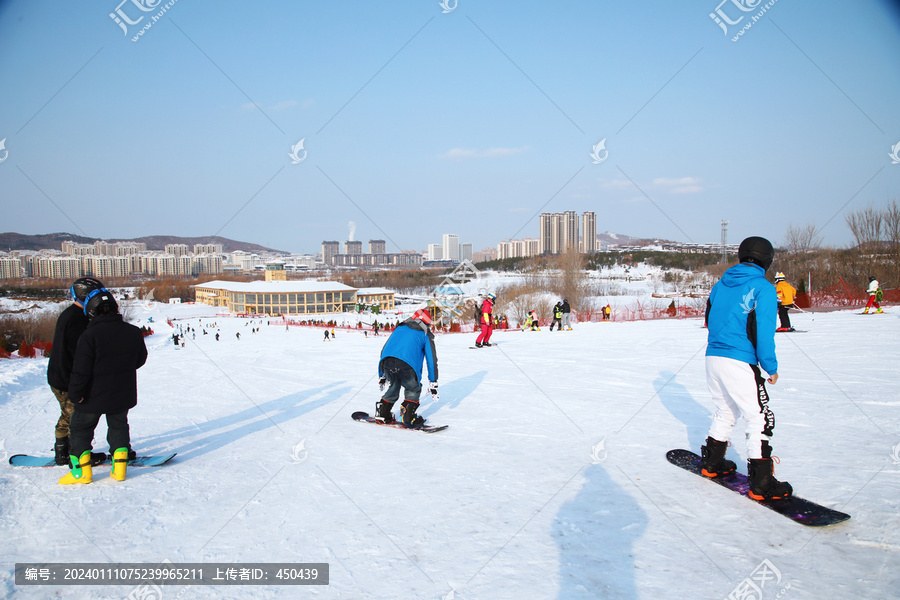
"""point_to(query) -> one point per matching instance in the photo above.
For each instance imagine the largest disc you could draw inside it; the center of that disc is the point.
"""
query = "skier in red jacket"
(487, 321)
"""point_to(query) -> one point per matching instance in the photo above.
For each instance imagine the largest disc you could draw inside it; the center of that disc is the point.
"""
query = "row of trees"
(876, 232)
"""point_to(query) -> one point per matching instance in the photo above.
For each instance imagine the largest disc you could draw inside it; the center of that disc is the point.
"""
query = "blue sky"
(418, 122)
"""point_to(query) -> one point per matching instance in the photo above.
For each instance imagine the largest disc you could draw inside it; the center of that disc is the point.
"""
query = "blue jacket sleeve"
(766, 317)
(431, 358)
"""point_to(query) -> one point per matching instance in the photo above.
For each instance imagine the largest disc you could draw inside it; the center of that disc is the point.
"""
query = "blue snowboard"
(24, 460)
(796, 509)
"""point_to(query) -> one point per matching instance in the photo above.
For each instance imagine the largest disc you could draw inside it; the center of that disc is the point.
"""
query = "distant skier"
(217, 337)
(566, 314)
(607, 311)
(785, 293)
(104, 381)
(71, 323)
(740, 316)
(409, 346)
(327, 336)
(238, 334)
(874, 291)
(557, 317)
(487, 321)
(332, 333)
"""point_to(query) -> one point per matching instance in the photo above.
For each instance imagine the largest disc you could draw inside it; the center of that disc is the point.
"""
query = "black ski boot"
(408, 414)
(713, 463)
(763, 485)
(61, 450)
(383, 412)
(98, 458)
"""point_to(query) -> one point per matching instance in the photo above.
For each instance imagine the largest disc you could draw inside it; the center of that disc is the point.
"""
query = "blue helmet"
(97, 299)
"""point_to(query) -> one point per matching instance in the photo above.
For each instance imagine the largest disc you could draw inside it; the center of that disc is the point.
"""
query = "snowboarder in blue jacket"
(741, 317)
(410, 345)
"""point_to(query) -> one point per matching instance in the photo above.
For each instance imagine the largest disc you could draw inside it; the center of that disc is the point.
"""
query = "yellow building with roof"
(277, 297)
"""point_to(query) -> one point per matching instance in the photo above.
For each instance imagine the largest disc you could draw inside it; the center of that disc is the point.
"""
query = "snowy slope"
(551, 481)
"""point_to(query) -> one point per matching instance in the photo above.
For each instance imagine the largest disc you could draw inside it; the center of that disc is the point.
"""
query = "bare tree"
(803, 239)
(867, 226)
(573, 282)
(892, 226)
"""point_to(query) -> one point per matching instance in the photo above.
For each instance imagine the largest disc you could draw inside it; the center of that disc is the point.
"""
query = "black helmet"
(757, 250)
(96, 301)
(871, 278)
(82, 287)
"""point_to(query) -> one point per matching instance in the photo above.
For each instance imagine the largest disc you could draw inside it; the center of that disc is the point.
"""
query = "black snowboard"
(797, 509)
(25, 460)
(365, 418)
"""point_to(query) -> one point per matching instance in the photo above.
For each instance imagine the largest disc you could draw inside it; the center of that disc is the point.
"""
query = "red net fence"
(844, 294)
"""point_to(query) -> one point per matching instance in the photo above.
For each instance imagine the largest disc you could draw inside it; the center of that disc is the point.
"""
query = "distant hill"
(617, 239)
(19, 241)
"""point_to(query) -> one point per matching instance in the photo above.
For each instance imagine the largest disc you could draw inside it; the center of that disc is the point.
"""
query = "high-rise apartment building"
(208, 249)
(560, 231)
(353, 247)
(569, 231)
(329, 251)
(377, 247)
(589, 233)
(177, 249)
(451, 247)
(435, 252)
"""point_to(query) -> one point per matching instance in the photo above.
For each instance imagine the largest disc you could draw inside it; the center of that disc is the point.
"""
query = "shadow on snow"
(458, 390)
(222, 431)
(679, 402)
(596, 532)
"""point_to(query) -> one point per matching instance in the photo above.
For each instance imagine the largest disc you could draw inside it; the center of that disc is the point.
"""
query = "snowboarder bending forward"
(409, 345)
(740, 316)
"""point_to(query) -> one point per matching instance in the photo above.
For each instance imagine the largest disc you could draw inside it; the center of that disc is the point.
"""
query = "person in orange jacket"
(785, 293)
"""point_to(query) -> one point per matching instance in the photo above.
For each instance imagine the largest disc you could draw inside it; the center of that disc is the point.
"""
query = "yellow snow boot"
(81, 469)
(120, 464)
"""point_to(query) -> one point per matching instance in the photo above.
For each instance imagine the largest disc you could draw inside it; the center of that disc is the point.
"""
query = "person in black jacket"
(103, 381)
(566, 313)
(557, 317)
(69, 327)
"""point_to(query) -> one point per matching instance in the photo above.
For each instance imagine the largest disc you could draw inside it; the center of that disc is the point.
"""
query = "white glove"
(433, 390)
(381, 381)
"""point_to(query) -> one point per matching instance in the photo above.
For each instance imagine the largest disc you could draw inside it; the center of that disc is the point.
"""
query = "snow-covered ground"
(551, 481)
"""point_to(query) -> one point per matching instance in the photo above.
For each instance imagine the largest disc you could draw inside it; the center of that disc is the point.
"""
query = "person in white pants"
(741, 319)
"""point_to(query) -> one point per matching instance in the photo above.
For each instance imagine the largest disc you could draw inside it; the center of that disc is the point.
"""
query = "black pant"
(783, 315)
(81, 431)
(399, 374)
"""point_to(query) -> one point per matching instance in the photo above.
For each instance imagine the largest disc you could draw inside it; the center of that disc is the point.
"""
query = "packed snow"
(551, 481)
